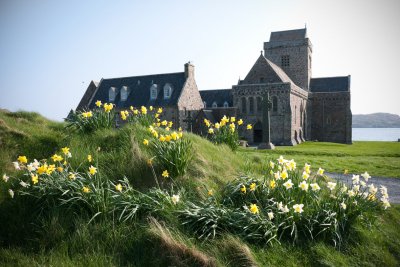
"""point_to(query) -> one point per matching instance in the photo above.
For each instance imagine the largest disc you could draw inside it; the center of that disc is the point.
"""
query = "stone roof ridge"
(288, 35)
(280, 72)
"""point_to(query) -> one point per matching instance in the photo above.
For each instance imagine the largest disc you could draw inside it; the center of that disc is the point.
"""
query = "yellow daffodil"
(35, 178)
(249, 127)
(162, 138)
(180, 129)
(89, 158)
(175, 136)
(136, 112)
(240, 122)
(143, 109)
(254, 209)
(108, 107)
(243, 189)
(167, 129)
(298, 208)
(42, 169)
(211, 131)
(159, 110)
(92, 170)
(98, 103)
(23, 159)
(165, 174)
(284, 174)
(164, 123)
(145, 142)
(207, 122)
(151, 108)
(123, 115)
(217, 125)
(118, 187)
(346, 171)
(210, 192)
(168, 138)
(60, 169)
(233, 119)
(72, 176)
(50, 169)
(65, 150)
(56, 158)
(85, 189)
(157, 116)
(170, 124)
(272, 184)
(180, 134)
(252, 186)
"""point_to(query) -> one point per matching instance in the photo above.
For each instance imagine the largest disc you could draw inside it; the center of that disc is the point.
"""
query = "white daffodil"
(175, 199)
(270, 215)
(331, 185)
(11, 193)
(343, 205)
(315, 187)
(23, 184)
(304, 186)
(366, 176)
(288, 184)
(5, 178)
(355, 179)
(16, 165)
(298, 208)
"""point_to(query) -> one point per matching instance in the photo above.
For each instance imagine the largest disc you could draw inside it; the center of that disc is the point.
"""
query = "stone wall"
(331, 117)
(300, 56)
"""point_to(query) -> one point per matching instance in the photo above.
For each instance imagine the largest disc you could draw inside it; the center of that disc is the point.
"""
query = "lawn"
(378, 158)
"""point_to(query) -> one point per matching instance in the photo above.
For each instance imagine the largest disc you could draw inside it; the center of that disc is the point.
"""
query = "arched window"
(226, 104)
(124, 93)
(111, 94)
(251, 105)
(205, 104)
(244, 106)
(274, 104)
(153, 92)
(259, 104)
(167, 91)
(214, 104)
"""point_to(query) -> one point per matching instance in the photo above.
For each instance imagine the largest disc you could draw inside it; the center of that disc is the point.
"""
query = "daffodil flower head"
(298, 208)
(252, 187)
(175, 199)
(22, 159)
(118, 187)
(165, 174)
(243, 189)
(303, 186)
(288, 184)
(92, 170)
(254, 209)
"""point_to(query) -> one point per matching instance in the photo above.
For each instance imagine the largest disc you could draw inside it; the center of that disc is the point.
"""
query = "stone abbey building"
(303, 108)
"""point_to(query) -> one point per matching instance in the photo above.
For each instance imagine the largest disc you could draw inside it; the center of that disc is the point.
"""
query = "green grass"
(378, 158)
(59, 239)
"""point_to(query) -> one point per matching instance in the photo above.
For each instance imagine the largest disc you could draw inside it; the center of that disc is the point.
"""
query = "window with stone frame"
(251, 105)
(259, 104)
(167, 91)
(112, 93)
(153, 92)
(226, 104)
(244, 105)
(205, 104)
(214, 105)
(124, 93)
(285, 61)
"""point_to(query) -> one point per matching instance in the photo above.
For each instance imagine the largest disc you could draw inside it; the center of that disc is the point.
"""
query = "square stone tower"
(292, 51)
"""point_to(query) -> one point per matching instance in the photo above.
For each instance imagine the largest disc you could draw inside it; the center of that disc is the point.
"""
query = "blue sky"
(51, 50)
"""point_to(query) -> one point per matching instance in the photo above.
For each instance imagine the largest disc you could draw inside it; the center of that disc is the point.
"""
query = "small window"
(124, 93)
(214, 104)
(285, 61)
(205, 104)
(111, 94)
(226, 105)
(274, 104)
(167, 91)
(153, 92)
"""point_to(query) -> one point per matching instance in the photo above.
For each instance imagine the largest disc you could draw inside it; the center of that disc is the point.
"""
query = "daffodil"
(366, 176)
(240, 122)
(315, 187)
(210, 130)
(11, 193)
(254, 209)
(175, 199)
(89, 158)
(249, 127)
(56, 158)
(271, 164)
(291, 165)
(320, 171)
(233, 119)
(42, 169)
(305, 175)
(72, 176)
(252, 186)
(16, 165)
(118, 187)
(217, 125)
(210, 192)
(164, 123)
(331, 185)
(281, 160)
(207, 122)
(346, 171)
(385, 203)
(270, 215)
(35, 179)
(108, 107)
(145, 142)
(23, 159)
(175, 136)
(65, 150)
(170, 123)
(168, 138)
(356, 188)
(243, 189)
(5, 178)
(307, 168)
(272, 184)
(92, 170)
(162, 138)
(30, 167)
(159, 110)
(298, 208)
(303, 186)
(284, 174)
(282, 208)
(372, 189)
(136, 112)
(288, 184)
(98, 103)
(60, 169)
(23, 184)
(165, 174)
(86, 189)
(277, 175)
(50, 169)
(355, 179)
(343, 205)
(151, 108)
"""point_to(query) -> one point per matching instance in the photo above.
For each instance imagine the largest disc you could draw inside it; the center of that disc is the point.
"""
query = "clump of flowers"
(225, 131)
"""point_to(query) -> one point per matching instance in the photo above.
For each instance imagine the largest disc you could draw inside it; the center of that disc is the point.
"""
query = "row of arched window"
(113, 92)
(215, 105)
(253, 105)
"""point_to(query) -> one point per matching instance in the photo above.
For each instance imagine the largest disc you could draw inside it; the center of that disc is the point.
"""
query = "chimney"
(189, 70)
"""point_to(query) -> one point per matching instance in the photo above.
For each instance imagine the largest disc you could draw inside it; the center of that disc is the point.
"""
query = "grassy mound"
(64, 237)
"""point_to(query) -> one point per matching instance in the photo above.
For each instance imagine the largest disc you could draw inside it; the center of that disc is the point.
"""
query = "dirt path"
(392, 184)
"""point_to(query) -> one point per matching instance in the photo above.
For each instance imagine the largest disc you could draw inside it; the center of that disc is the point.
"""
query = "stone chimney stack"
(189, 70)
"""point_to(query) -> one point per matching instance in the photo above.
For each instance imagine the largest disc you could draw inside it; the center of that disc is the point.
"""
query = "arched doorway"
(257, 132)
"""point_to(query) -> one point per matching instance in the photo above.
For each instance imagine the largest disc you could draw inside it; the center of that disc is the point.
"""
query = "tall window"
(167, 91)
(259, 104)
(124, 93)
(214, 104)
(274, 104)
(251, 105)
(226, 104)
(205, 104)
(111, 94)
(285, 62)
(153, 92)
(244, 106)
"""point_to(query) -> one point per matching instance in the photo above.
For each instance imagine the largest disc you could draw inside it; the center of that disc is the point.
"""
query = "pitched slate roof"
(139, 90)
(288, 35)
(219, 96)
(330, 84)
(266, 69)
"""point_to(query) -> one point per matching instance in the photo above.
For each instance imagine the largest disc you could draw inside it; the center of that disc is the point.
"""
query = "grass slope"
(56, 239)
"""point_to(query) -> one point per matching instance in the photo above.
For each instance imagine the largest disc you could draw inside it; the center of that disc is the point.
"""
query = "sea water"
(376, 134)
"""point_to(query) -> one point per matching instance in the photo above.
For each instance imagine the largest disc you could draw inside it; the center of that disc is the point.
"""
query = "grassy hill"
(65, 238)
(376, 120)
